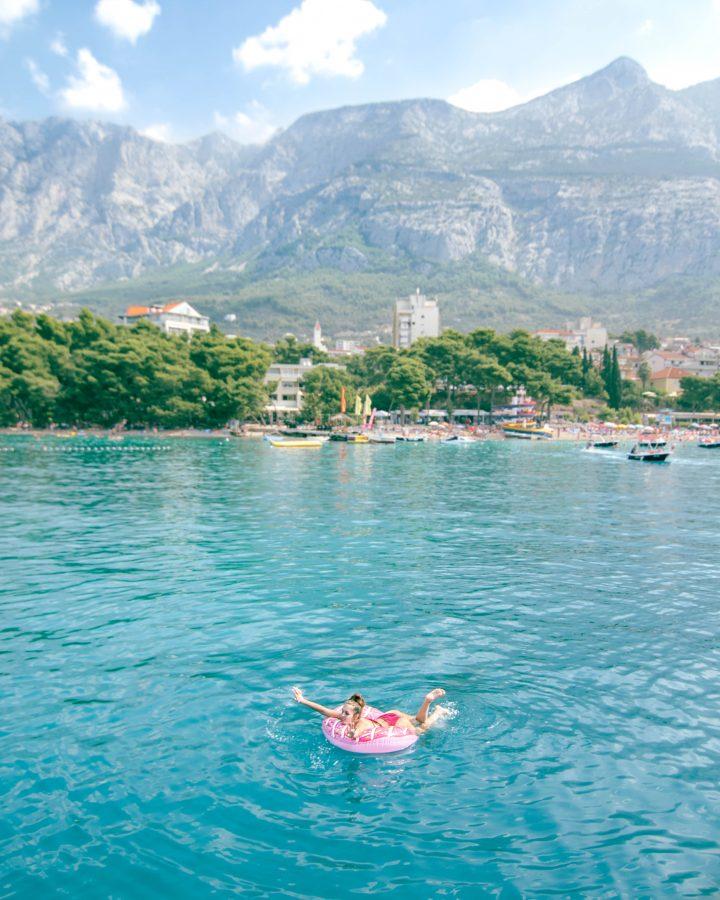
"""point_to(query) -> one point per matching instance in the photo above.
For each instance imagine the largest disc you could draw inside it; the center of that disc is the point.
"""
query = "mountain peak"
(624, 72)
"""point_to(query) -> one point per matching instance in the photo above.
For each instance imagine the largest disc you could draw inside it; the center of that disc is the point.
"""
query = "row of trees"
(456, 371)
(92, 372)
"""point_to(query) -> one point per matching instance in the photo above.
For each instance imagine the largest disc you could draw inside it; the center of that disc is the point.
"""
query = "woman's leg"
(422, 714)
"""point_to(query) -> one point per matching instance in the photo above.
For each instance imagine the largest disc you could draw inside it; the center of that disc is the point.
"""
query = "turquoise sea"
(158, 599)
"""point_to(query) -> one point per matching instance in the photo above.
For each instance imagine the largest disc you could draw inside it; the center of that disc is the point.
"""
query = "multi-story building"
(287, 398)
(173, 318)
(588, 335)
(415, 316)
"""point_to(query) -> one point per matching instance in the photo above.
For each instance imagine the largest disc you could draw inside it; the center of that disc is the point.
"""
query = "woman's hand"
(298, 694)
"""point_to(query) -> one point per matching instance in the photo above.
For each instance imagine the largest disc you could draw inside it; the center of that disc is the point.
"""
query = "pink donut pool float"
(378, 739)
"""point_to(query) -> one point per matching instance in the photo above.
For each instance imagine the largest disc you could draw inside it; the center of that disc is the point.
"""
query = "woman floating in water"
(351, 714)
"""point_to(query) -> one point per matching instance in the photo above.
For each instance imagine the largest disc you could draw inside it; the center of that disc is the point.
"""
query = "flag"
(343, 401)
(367, 409)
(358, 405)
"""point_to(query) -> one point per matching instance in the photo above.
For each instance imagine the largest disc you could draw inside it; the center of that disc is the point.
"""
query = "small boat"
(410, 438)
(358, 439)
(527, 431)
(603, 445)
(650, 442)
(709, 444)
(457, 439)
(296, 443)
(380, 438)
(649, 452)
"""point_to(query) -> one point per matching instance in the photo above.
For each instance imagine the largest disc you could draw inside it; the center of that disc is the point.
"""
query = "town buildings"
(173, 318)
(588, 335)
(415, 316)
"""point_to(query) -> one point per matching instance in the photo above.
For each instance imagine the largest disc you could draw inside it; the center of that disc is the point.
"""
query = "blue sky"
(180, 68)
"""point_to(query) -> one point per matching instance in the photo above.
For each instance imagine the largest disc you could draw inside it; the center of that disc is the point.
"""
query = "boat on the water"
(410, 438)
(381, 438)
(358, 439)
(296, 443)
(457, 439)
(528, 431)
(646, 451)
(603, 445)
(710, 444)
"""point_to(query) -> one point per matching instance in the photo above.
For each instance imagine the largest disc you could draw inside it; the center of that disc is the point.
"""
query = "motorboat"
(457, 439)
(709, 444)
(381, 438)
(646, 451)
(603, 445)
(410, 438)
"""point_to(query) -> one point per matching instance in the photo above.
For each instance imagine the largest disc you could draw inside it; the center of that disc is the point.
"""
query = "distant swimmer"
(354, 715)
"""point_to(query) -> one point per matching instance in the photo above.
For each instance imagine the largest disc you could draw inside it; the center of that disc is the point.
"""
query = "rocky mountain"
(608, 186)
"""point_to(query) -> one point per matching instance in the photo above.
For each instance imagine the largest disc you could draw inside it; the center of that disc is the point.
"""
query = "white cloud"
(681, 73)
(12, 11)
(160, 131)
(487, 95)
(316, 38)
(39, 78)
(492, 95)
(127, 18)
(95, 87)
(58, 46)
(252, 127)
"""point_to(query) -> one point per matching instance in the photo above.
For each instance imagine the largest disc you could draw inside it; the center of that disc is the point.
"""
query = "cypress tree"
(615, 387)
(606, 369)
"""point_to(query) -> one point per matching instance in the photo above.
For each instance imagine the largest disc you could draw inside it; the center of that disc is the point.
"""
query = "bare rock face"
(611, 183)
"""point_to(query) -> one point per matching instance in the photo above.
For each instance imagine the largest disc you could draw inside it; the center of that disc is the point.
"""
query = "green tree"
(290, 351)
(322, 390)
(408, 384)
(642, 340)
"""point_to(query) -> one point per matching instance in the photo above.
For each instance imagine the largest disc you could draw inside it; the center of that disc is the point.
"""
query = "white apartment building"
(173, 318)
(415, 317)
(287, 396)
(587, 335)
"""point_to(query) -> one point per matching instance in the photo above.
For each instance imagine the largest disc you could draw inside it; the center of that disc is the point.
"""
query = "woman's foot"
(437, 715)
(435, 694)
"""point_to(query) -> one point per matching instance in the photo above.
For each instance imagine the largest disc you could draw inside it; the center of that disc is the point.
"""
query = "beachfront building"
(172, 318)
(286, 400)
(587, 335)
(668, 380)
(415, 316)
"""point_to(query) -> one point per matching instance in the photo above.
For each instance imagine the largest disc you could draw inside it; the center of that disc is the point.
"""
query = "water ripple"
(159, 599)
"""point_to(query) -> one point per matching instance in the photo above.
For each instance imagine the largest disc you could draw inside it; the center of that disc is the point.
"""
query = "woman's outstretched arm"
(323, 710)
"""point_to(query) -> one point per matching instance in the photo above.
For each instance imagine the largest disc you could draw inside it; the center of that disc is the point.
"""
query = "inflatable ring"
(378, 739)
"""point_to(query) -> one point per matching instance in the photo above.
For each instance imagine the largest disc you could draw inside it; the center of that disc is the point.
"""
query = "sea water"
(160, 598)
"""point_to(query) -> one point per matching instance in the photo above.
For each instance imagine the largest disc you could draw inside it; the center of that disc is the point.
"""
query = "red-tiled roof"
(671, 372)
(133, 311)
(170, 306)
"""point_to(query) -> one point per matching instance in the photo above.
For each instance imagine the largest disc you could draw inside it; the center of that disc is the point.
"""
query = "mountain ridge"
(602, 187)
